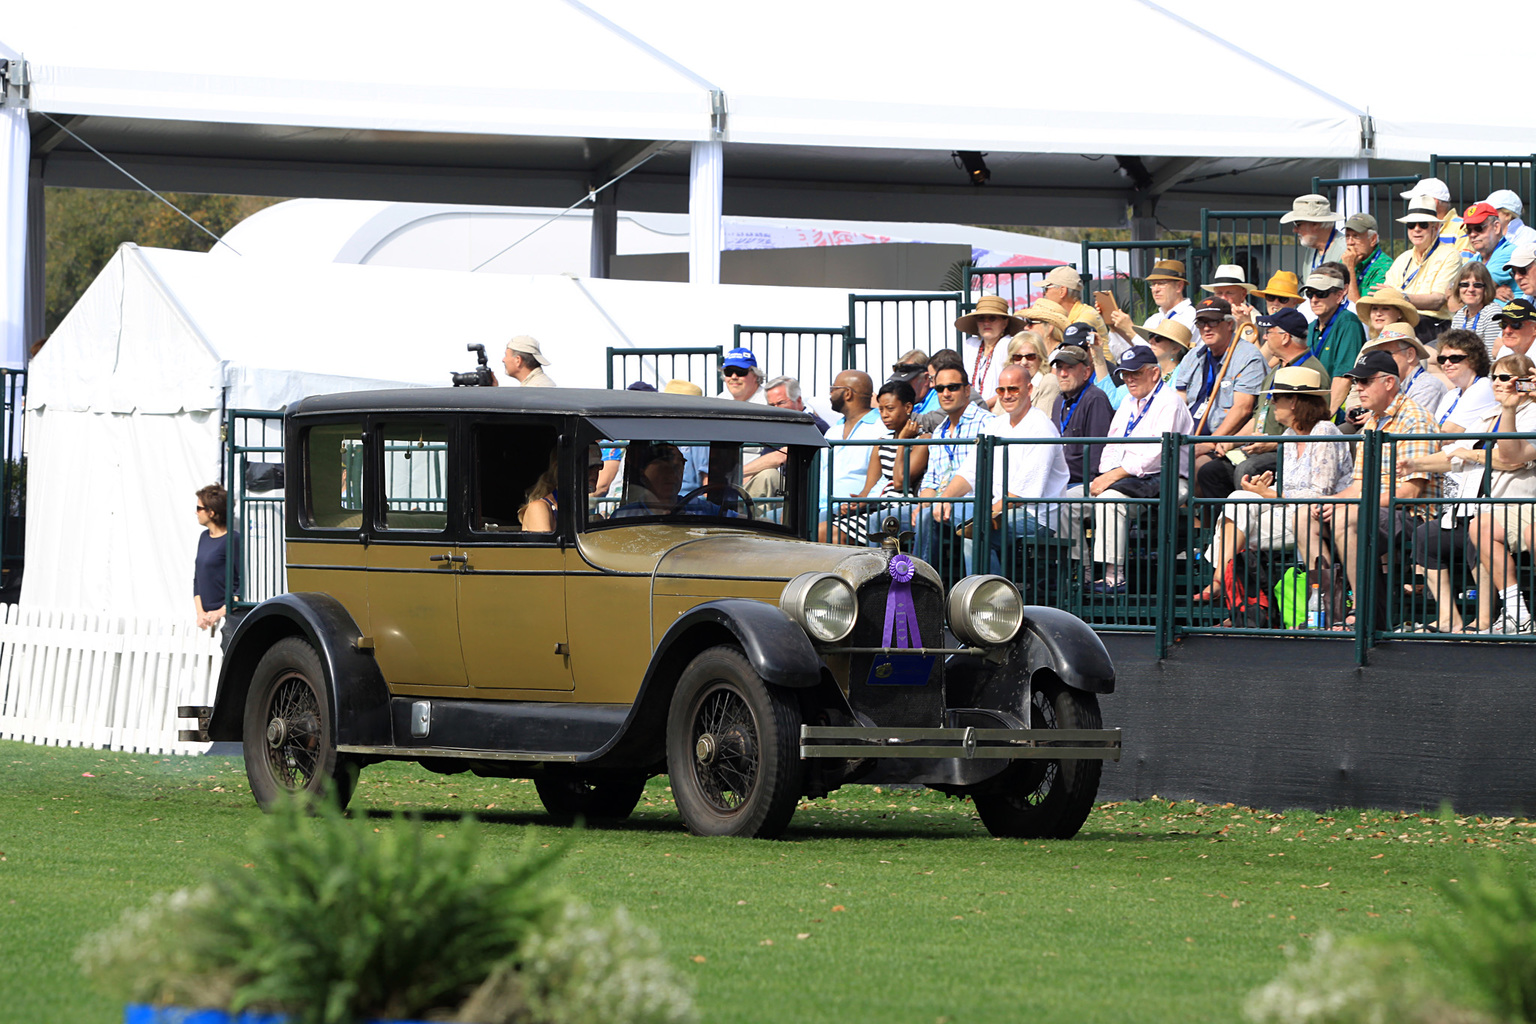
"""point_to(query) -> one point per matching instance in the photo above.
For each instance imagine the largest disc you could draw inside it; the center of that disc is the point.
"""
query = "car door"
(413, 560)
(512, 620)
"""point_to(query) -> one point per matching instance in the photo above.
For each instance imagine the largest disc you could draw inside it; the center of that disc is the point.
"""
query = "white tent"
(126, 401)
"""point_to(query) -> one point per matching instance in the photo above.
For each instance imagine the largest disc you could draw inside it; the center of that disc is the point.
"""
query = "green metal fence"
(1118, 267)
(255, 481)
(656, 366)
(1381, 197)
(1471, 178)
(1019, 285)
(1252, 239)
(883, 328)
(812, 355)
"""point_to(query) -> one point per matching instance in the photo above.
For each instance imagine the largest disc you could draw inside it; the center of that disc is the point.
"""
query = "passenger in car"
(653, 477)
(537, 514)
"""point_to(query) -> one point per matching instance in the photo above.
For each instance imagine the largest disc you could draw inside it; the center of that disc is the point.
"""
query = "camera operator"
(525, 363)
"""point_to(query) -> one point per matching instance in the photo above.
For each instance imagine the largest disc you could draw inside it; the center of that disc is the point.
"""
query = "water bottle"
(1317, 617)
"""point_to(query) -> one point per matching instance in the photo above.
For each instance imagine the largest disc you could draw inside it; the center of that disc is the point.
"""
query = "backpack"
(1247, 598)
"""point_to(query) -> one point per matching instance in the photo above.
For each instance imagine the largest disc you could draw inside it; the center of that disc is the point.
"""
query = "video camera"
(480, 376)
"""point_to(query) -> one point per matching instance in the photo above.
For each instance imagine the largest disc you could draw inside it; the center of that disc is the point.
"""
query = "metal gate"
(255, 481)
(1020, 285)
(883, 328)
(656, 366)
(1471, 178)
(812, 355)
(1252, 239)
(1381, 198)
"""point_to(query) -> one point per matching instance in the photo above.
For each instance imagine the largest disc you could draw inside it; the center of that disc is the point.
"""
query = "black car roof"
(616, 414)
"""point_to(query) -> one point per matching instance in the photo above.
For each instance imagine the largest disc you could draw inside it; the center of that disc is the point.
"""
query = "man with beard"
(1317, 230)
(856, 420)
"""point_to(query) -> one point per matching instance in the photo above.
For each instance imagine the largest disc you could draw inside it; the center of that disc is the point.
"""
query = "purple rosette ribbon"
(900, 614)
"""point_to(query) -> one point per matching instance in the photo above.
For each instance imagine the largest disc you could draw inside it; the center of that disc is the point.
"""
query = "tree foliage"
(86, 225)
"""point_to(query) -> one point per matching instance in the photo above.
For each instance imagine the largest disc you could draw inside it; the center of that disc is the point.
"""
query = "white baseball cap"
(1505, 199)
(1434, 188)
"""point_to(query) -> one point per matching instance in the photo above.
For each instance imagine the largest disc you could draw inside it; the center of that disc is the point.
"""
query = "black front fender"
(774, 643)
(355, 687)
(1049, 639)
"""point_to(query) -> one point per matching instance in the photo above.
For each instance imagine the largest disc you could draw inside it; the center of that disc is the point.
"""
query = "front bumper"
(965, 743)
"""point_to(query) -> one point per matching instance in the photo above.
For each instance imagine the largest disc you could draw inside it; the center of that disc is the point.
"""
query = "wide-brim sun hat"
(1392, 334)
(1297, 380)
(1169, 330)
(1420, 211)
(990, 305)
(1312, 208)
(1283, 284)
(1228, 275)
(1167, 270)
(1386, 295)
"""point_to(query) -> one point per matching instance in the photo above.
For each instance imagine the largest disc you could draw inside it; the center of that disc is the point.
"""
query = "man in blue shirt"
(852, 394)
(1486, 233)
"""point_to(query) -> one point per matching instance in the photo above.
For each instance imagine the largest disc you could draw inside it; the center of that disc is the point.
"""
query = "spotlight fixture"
(973, 165)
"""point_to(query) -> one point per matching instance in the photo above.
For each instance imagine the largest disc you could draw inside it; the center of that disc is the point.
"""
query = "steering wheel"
(746, 499)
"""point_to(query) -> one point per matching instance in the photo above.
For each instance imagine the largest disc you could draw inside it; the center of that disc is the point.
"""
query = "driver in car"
(653, 478)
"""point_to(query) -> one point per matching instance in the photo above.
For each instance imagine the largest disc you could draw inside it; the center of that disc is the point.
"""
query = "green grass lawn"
(878, 905)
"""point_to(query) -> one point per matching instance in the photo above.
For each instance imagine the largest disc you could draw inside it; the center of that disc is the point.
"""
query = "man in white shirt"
(1168, 286)
(1033, 470)
(1152, 409)
(1518, 319)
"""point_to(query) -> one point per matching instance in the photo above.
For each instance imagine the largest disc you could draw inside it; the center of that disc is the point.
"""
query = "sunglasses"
(735, 371)
(1009, 389)
(1451, 357)
(1318, 293)
(1471, 284)
(945, 389)
(202, 508)
(1505, 378)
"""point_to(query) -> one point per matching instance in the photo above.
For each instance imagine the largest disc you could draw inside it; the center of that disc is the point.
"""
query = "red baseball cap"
(1478, 212)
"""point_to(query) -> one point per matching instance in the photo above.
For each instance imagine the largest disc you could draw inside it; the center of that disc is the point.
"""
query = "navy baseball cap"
(1079, 334)
(1372, 364)
(1288, 320)
(1135, 358)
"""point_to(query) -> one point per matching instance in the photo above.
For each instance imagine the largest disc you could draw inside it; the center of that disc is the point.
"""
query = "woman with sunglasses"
(1475, 289)
(211, 563)
(1464, 361)
(1028, 350)
(1485, 531)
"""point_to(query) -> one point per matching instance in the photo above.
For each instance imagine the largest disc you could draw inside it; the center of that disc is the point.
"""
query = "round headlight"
(822, 603)
(985, 610)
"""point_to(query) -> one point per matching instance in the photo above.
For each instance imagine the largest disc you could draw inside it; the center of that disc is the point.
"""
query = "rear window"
(333, 479)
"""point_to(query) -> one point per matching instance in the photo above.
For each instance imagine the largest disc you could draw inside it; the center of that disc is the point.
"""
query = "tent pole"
(36, 302)
(15, 180)
(705, 235)
(1350, 199)
(605, 230)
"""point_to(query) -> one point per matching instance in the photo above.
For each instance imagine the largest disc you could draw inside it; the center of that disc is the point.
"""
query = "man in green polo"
(1336, 336)
(1367, 264)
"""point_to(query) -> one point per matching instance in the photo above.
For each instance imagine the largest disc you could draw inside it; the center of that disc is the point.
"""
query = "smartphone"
(1525, 384)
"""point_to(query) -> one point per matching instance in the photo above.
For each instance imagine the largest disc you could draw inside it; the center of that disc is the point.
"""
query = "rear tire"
(1045, 799)
(733, 749)
(290, 740)
(568, 796)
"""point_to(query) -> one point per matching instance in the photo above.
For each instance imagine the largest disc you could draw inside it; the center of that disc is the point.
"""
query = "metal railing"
(13, 474)
(1380, 197)
(254, 473)
(1119, 268)
(812, 355)
(1020, 285)
(1471, 178)
(1366, 555)
(883, 328)
(656, 366)
(1252, 239)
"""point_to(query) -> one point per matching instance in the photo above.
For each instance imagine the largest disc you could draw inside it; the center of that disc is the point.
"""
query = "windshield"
(658, 480)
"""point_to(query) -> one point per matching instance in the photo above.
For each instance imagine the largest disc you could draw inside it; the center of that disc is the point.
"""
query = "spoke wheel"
(1047, 799)
(290, 741)
(733, 748)
(568, 797)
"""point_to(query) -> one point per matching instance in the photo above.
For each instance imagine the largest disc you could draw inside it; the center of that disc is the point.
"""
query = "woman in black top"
(212, 556)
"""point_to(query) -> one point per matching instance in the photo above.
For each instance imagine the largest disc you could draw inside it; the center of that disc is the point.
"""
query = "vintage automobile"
(680, 625)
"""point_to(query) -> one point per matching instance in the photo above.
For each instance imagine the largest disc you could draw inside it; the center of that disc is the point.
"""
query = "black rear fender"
(356, 689)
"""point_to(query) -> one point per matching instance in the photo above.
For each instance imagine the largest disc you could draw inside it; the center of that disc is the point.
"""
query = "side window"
(333, 481)
(415, 471)
(514, 486)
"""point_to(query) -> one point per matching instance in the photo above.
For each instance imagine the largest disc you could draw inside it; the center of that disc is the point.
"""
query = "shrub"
(1494, 945)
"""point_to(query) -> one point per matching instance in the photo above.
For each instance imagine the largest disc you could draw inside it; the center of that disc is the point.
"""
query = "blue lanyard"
(952, 450)
(1318, 258)
(1322, 337)
(1066, 413)
(1472, 324)
(1134, 420)
(1422, 264)
(1452, 408)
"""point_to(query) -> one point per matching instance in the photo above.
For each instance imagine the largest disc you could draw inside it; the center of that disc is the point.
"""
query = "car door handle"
(461, 559)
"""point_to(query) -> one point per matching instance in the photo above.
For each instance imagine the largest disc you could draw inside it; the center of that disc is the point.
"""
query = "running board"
(411, 753)
(964, 743)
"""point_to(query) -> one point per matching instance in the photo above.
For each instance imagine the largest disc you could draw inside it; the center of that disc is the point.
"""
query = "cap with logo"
(1134, 358)
(1079, 334)
(741, 358)
(1372, 364)
(1516, 312)
(1213, 308)
(1479, 212)
(1291, 321)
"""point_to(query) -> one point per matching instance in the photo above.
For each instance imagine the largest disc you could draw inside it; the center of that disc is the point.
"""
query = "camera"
(1357, 414)
(1525, 385)
(480, 376)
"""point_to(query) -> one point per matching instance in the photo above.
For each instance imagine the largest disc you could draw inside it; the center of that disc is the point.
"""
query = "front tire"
(568, 796)
(1045, 799)
(289, 738)
(733, 749)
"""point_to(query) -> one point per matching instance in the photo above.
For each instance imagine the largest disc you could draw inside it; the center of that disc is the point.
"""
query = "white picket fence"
(69, 679)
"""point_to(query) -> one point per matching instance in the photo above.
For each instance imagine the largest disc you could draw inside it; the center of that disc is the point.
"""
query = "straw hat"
(1394, 333)
(1169, 330)
(1048, 311)
(1297, 380)
(1282, 284)
(990, 305)
(1421, 210)
(1385, 295)
(1311, 208)
(1229, 275)
(1168, 270)
(682, 387)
